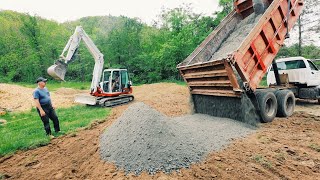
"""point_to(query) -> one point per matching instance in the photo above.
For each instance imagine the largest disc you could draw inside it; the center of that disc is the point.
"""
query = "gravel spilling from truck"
(143, 139)
(234, 40)
(241, 109)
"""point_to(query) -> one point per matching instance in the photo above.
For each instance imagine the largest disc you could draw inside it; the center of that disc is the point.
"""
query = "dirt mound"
(15, 98)
(160, 96)
(18, 98)
(68, 91)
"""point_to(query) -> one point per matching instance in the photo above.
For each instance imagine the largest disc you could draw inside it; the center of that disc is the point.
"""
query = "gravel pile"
(143, 139)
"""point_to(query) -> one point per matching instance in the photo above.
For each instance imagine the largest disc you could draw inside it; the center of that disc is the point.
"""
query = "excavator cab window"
(119, 81)
(105, 82)
(124, 79)
(116, 81)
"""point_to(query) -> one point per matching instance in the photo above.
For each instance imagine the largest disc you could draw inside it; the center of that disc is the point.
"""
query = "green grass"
(263, 82)
(25, 130)
(262, 160)
(54, 85)
(315, 147)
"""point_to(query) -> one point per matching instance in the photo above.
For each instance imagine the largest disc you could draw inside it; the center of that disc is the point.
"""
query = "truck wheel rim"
(269, 107)
(289, 104)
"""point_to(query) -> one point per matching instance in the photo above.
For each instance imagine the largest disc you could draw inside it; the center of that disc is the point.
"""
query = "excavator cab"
(115, 81)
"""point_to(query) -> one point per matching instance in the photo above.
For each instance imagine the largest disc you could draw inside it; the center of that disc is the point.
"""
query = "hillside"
(149, 53)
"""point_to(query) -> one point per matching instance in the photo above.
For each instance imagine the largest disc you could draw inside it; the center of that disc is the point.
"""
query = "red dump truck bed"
(235, 56)
(224, 71)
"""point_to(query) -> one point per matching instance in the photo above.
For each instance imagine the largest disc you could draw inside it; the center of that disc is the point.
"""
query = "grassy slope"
(25, 130)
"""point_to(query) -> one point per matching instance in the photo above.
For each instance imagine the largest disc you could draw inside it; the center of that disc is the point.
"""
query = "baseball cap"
(41, 79)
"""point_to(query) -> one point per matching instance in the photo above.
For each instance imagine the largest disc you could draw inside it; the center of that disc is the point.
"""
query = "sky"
(68, 10)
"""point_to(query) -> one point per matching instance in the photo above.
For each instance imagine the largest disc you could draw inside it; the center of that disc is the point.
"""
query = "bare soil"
(18, 98)
(287, 148)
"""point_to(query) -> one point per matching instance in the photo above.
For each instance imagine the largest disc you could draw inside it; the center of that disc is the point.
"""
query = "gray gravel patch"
(143, 139)
(236, 38)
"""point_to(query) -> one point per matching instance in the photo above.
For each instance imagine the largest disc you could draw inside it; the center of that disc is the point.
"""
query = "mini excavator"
(109, 87)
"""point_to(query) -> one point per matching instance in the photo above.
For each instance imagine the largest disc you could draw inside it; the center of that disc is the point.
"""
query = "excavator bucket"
(58, 70)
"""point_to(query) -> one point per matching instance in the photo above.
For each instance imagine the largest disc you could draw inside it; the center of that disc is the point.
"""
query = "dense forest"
(30, 44)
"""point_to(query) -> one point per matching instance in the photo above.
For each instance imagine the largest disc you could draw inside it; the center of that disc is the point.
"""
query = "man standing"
(44, 106)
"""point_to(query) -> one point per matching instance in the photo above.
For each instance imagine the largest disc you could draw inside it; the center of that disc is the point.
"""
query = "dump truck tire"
(267, 102)
(286, 103)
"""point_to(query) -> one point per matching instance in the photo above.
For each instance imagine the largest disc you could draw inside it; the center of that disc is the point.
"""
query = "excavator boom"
(59, 69)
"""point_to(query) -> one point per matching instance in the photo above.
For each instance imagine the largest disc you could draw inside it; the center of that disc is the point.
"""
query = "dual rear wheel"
(279, 103)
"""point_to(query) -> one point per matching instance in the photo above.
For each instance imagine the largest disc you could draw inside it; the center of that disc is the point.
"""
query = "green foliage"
(151, 54)
(226, 6)
(309, 52)
(25, 130)
(30, 44)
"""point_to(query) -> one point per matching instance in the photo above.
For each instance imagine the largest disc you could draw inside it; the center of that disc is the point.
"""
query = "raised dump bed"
(229, 64)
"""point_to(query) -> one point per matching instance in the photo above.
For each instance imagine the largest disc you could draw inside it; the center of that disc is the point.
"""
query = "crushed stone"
(143, 139)
(235, 39)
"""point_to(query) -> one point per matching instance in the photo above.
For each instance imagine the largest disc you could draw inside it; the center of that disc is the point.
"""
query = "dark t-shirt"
(43, 95)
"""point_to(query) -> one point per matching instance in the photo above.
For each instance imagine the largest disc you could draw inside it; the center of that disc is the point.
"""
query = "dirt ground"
(287, 148)
(17, 98)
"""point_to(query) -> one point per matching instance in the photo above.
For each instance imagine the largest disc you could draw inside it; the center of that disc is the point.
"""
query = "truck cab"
(300, 71)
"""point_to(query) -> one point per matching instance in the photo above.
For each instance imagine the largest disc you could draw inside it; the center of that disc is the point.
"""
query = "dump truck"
(224, 72)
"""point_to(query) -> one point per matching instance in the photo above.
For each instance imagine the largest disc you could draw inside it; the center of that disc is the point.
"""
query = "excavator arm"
(59, 69)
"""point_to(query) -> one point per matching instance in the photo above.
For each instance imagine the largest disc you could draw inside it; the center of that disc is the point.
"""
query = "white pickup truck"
(300, 75)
